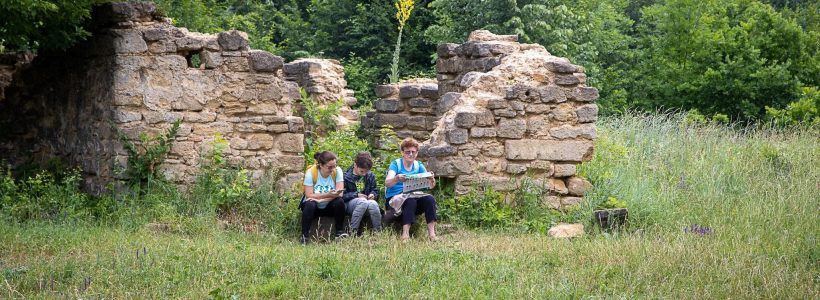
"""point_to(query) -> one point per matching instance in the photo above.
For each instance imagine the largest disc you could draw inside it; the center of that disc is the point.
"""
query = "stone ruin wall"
(506, 111)
(411, 108)
(324, 82)
(138, 74)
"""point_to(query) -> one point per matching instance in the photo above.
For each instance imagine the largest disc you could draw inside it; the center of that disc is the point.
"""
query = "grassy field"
(758, 191)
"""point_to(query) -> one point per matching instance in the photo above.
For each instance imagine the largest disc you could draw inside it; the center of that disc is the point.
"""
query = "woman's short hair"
(408, 143)
(324, 157)
(364, 160)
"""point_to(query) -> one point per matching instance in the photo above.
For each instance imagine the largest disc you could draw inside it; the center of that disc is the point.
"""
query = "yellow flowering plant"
(403, 10)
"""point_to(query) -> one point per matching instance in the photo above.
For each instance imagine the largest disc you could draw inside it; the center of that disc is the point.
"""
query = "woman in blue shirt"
(323, 194)
(396, 175)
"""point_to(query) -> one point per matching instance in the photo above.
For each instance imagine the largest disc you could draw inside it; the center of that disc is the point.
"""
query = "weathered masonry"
(505, 111)
(138, 74)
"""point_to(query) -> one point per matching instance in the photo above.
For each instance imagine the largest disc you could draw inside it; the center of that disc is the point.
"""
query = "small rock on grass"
(566, 230)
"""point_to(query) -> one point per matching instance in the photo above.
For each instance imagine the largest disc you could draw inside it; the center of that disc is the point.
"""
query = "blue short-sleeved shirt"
(323, 184)
(398, 167)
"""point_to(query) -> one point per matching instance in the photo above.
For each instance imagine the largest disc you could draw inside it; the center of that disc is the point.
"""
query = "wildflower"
(697, 229)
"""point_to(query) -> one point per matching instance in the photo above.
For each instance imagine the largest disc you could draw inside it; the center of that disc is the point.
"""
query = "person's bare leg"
(405, 232)
(431, 231)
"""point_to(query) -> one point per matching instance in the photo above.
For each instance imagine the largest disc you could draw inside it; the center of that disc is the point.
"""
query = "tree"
(730, 57)
(47, 25)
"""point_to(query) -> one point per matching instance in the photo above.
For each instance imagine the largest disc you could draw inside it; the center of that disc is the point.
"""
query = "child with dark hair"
(324, 185)
(361, 193)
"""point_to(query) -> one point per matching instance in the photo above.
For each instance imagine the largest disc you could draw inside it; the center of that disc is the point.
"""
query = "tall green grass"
(758, 190)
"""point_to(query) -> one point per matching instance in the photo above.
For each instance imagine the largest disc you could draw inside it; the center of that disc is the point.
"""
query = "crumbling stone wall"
(410, 107)
(324, 81)
(518, 112)
(138, 74)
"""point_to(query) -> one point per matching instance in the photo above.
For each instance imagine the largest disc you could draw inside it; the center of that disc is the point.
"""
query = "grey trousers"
(357, 207)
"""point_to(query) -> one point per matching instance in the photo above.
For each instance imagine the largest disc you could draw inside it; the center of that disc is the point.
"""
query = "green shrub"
(46, 196)
(145, 157)
(805, 110)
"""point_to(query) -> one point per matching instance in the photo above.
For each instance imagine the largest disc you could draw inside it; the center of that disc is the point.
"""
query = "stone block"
(457, 136)
(211, 60)
(566, 230)
(422, 110)
(238, 143)
(397, 121)
(447, 101)
(290, 142)
(565, 80)
(278, 128)
(552, 94)
(275, 119)
(260, 141)
(568, 131)
(469, 78)
(251, 127)
(551, 150)
(440, 150)
(431, 123)
(386, 91)
(479, 132)
(486, 36)
(564, 170)
(568, 201)
(160, 47)
(233, 40)
(505, 112)
(563, 113)
(154, 117)
(553, 202)
(493, 149)
(512, 128)
(264, 61)
(155, 34)
(296, 125)
(187, 103)
(497, 103)
(124, 116)
(446, 50)
(198, 117)
(541, 165)
(237, 64)
(577, 186)
(464, 119)
(516, 105)
(585, 94)
(557, 185)
(448, 65)
(587, 113)
(128, 41)
(560, 67)
(189, 43)
(516, 168)
(429, 91)
(292, 163)
(409, 91)
(417, 122)
(484, 118)
(388, 105)
(420, 102)
(537, 108)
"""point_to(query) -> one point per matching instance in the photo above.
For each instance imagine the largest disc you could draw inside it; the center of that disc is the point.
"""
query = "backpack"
(314, 172)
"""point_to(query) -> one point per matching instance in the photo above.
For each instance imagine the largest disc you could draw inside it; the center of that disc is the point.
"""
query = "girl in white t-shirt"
(323, 194)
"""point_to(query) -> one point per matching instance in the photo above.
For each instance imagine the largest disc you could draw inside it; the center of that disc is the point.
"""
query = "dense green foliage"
(51, 24)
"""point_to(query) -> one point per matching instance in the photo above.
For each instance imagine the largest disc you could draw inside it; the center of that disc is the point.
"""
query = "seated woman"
(324, 185)
(361, 193)
(396, 175)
